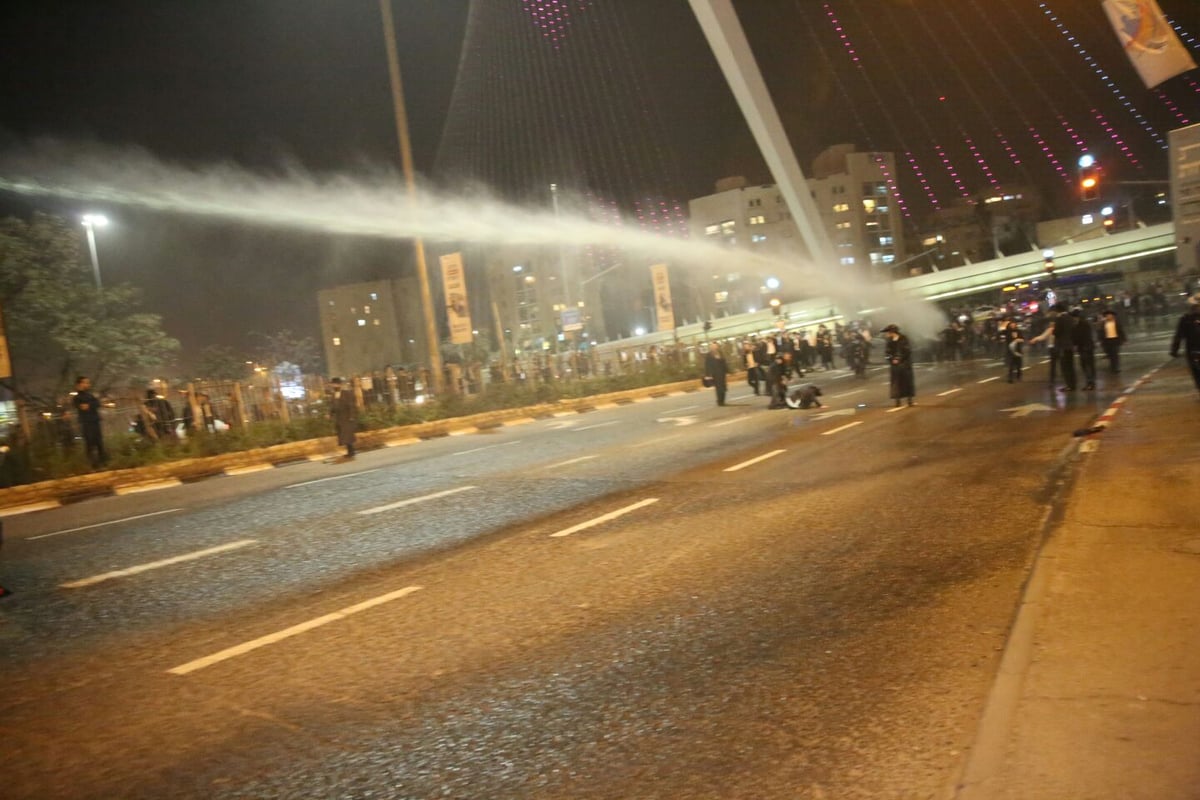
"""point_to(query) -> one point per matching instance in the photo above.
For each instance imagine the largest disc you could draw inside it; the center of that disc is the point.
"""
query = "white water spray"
(377, 206)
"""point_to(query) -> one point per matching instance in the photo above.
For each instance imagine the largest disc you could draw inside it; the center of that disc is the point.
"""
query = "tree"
(59, 324)
(284, 346)
(220, 364)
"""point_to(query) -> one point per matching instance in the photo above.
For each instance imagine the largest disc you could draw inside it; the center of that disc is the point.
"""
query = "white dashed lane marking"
(754, 461)
(331, 478)
(287, 633)
(166, 562)
(591, 523)
(103, 524)
(414, 500)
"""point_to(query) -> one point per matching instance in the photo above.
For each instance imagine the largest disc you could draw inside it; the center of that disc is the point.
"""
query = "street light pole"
(434, 352)
(91, 222)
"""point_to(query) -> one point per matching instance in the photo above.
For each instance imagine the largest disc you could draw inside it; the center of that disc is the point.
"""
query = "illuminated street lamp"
(91, 222)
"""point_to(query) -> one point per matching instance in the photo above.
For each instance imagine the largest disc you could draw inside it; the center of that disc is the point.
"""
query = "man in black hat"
(1187, 334)
(1064, 342)
(899, 357)
(344, 412)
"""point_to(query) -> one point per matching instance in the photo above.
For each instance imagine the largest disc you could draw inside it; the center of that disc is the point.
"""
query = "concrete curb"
(989, 749)
(51, 494)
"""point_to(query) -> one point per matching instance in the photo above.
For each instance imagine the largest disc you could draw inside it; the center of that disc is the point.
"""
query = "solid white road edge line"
(102, 524)
(332, 478)
(287, 633)
(412, 500)
(842, 428)
(166, 562)
(753, 461)
(620, 512)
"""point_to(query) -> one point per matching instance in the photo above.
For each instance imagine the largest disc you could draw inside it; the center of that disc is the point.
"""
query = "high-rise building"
(370, 326)
(855, 194)
(752, 218)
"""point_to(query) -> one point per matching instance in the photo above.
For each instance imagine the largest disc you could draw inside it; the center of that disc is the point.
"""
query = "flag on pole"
(1155, 50)
(454, 284)
(663, 311)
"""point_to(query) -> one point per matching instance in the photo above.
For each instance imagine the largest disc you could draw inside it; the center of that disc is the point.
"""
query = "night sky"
(970, 89)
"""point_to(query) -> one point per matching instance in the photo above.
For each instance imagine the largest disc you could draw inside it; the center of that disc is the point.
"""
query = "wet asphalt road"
(659, 600)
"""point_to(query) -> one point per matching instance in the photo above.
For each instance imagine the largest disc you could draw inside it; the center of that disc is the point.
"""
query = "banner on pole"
(1151, 44)
(454, 286)
(5, 360)
(664, 312)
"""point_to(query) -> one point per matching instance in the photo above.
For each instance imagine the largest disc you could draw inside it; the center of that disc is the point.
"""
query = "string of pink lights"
(1053, 159)
(1116, 137)
(1075, 137)
(981, 161)
(1008, 148)
(1105, 78)
(853, 53)
(962, 190)
(553, 17)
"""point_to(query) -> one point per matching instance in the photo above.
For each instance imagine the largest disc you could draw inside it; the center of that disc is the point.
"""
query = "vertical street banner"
(5, 360)
(454, 287)
(1151, 44)
(664, 312)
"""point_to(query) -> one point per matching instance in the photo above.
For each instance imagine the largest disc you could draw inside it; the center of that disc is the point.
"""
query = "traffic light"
(1089, 185)
(776, 306)
(1109, 217)
(1089, 178)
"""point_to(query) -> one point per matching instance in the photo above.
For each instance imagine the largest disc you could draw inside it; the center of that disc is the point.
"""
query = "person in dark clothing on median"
(1187, 334)
(344, 411)
(1064, 343)
(87, 406)
(899, 357)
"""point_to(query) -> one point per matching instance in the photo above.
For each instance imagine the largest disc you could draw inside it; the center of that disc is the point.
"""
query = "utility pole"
(431, 337)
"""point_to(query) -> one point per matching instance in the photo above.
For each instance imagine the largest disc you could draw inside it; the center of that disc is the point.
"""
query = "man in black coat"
(1187, 333)
(1064, 342)
(87, 407)
(716, 369)
(1085, 346)
(899, 358)
(344, 411)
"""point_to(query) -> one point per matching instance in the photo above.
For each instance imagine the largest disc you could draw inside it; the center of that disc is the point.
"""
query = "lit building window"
(362, 323)
(337, 341)
(843, 226)
(366, 309)
(885, 241)
(840, 207)
(868, 205)
(758, 220)
(375, 321)
(758, 237)
(847, 259)
(712, 230)
(374, 296)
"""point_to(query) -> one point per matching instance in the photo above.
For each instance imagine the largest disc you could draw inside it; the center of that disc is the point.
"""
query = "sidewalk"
(1098, 694)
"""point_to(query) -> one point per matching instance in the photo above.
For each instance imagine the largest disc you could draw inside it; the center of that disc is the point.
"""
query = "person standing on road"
(1187, 333)
(344, 412)
(750, 360)
(87, 407)
(899, 357)
(717, 370)
(1047, 336)
(1112, 336)
(1064, 342)
(1085, 346)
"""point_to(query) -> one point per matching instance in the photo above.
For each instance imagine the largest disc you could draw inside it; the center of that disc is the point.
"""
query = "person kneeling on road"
(806, 395)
